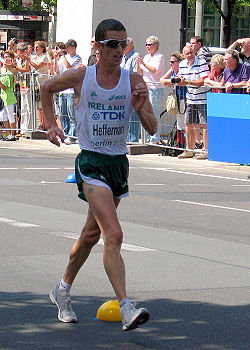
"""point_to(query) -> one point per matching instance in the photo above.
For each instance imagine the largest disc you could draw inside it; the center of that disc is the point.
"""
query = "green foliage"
(236, 6)
(38, 5)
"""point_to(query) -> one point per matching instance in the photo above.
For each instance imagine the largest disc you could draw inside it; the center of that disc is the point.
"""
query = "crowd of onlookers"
(191, 74)
(23, 69)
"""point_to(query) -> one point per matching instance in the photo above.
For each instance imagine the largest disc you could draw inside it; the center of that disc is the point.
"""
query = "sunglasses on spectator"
(114, 43)
(172, 61)
(150, 44)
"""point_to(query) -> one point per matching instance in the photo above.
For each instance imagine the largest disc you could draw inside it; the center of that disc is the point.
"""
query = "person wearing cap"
(66, 98)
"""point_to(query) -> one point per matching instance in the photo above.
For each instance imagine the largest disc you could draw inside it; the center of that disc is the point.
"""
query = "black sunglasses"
(114, 43)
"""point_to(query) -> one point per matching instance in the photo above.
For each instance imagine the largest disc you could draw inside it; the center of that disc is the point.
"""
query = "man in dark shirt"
(236, 74)
(92, 57)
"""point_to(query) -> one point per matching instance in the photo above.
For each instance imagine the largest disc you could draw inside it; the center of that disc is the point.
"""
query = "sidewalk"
(149, 152)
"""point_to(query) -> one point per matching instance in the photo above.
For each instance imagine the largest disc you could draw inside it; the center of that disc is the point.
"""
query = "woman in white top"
(39, 64)
(152, 68)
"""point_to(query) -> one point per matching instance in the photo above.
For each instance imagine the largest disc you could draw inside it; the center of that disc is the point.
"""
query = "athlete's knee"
(90, 237)
(114, 238)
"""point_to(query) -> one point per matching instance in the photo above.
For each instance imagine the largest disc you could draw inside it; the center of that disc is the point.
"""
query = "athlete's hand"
(139, 96)
(54, 134)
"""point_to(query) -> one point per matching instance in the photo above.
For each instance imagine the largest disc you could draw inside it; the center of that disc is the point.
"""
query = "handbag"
(171, 104)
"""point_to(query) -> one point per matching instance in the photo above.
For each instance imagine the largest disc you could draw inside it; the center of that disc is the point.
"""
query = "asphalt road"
(186, 233)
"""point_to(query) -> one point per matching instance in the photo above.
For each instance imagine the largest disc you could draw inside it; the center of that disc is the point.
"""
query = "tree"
(234, 8)
(38, 5)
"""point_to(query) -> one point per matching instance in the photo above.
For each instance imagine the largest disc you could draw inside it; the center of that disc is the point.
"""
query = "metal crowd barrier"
(27, 115)
(173, 139)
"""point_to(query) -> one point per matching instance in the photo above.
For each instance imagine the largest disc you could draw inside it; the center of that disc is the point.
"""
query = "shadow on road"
(28, 321)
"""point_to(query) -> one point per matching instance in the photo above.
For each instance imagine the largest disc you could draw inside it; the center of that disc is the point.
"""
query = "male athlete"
(105, 96)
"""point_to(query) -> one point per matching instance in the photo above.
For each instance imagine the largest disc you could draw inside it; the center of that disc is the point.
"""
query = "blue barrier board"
(228, 123)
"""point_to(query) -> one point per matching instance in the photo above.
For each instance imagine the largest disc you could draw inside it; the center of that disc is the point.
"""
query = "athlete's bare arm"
(72, 78)
(142, 105)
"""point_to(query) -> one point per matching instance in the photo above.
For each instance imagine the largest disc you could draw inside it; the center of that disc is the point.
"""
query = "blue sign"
(228, 123)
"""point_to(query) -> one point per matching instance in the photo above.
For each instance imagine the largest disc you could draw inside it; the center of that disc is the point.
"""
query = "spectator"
(92, 57)
(244, 44)
(59, 49)
(152, 68)
(66, 97)
(172, 73)
(39, 65)
(129, 62)
(1, 58)
(193, 71)
(12, 45)
(215, 77)
(30, 50)
(22, 66)
(200, 50)
(236, 74)
(7, 85)
(97, 55)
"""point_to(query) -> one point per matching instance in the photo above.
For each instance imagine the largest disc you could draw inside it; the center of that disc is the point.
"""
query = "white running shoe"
(133, 317)
(69, 141)
(63, 302)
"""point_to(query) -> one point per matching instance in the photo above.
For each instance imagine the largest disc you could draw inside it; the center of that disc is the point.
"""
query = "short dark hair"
(234, 54)
(107, 24)
(198, 39)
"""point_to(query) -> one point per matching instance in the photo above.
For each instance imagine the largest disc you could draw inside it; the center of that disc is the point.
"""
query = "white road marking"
(194, 174)
(51, 182)
(8, 168)
(149, 184)
(42, 168)
(131, 247)
(125, 246)
(17, 223)
(211, 205)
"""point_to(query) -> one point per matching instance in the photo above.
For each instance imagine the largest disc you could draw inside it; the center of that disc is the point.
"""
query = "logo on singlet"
(119, 97)
(108, 115)
(96, 116)
(93, 93)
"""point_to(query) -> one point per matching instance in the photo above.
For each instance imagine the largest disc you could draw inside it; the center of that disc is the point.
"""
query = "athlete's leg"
(103, 208)
(80, 251)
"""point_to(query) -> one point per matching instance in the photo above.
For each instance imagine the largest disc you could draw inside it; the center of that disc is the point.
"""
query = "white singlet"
(102, 116)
